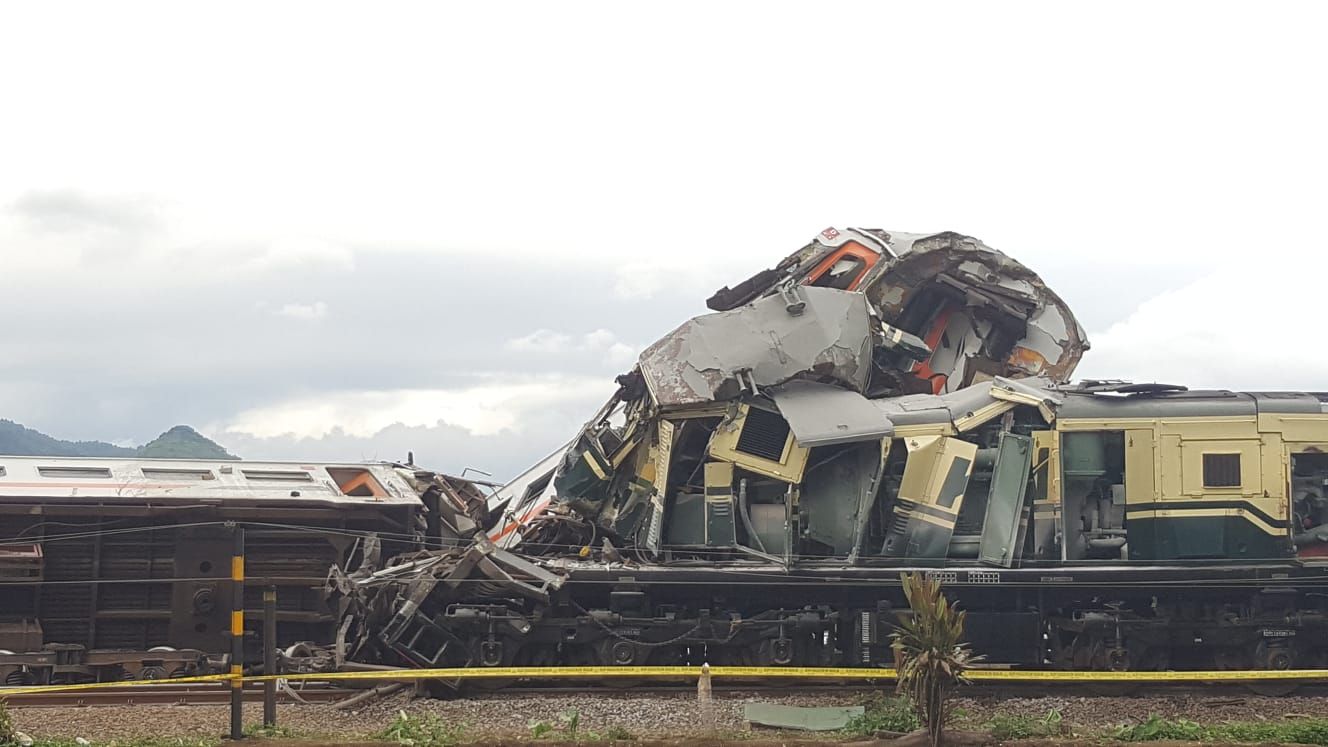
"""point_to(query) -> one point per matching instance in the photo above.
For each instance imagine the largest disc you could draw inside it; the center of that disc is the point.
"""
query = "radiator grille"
(764, 434)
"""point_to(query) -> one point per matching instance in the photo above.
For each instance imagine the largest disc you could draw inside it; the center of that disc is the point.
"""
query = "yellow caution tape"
(690, 672)
(822, 673)
(4, 691)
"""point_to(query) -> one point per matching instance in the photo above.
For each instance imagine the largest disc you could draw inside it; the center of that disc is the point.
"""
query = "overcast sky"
(335, 231)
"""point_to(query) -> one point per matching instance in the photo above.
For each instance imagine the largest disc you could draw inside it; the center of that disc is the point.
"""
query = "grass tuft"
(425, 730)
(884, 714)
(1026, 727)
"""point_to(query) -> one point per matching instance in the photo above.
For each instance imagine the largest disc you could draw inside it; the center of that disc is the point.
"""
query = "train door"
(1005, 514)
(1308, 481)
(1093, 471)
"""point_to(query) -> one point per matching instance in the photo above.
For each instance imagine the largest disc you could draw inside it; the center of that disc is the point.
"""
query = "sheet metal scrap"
(820, 332)
(422, 609)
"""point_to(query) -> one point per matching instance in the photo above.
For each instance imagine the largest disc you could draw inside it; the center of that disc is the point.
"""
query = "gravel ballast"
(657, 715)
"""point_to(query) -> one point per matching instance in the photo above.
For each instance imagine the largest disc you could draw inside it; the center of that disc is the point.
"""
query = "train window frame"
(75, 473)
(1226, 465)
(276, 475)
(176, 473)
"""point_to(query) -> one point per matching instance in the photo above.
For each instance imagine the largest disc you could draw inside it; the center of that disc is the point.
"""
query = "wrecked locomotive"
(120, 568)
(875, 403)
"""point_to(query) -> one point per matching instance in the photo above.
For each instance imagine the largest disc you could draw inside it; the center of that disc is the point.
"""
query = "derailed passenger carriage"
(879, 403)
(120, 569)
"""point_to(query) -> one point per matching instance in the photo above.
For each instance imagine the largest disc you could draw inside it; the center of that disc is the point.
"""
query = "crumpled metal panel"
(1052, 342)
(1049, 341)
(718, 356)
(970, 402)
(824, 415)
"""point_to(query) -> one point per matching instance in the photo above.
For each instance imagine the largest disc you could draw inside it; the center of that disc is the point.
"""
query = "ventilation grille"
(764, 435)
(1221, 470)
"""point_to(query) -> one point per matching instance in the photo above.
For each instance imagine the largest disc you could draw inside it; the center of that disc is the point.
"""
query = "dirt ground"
(665, 719)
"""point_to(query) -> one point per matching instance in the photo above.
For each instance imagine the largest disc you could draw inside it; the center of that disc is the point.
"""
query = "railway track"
(979, 689)
(329, 693)
(208, 694)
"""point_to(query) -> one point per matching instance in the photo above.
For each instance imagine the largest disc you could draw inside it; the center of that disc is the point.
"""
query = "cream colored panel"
(1192, 468)
(1297, 427)
(1140, 467)
(663, 455)
(1168, 458)
(1049, 440)
(1273, 459)
(1210, 428)
(929, 462)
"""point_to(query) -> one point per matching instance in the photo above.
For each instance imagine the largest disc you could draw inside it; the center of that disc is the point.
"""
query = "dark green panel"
(1005, 500)
(1227, 537)
(956, 482)
(832, 491)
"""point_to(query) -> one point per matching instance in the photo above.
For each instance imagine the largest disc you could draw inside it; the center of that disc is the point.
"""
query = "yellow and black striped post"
(237, 635)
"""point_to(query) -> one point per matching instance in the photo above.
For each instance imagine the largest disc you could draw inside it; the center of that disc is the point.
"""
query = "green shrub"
(1025, 727)
(1301, 731)
(1307, 731)
(929, 645)
(1156, 728)
(885, 714)
(6, 725)
(426, 730)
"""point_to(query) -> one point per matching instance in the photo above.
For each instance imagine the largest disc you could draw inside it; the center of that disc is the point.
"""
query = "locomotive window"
(841, 274)
(2, 471)
(356, 482)
(157, 473)
(1221, 470)
(74, 471)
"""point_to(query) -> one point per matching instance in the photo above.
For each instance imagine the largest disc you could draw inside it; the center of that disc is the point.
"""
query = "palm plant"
(930, 652)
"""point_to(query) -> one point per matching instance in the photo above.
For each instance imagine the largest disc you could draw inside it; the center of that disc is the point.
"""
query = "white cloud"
(1249, 325)
(303, 311)
(495, 405)
(600, 342)
(540, 341)
(295, 252)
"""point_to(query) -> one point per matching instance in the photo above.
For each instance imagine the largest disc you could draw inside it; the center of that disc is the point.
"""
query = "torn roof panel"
(969, 406)
(718, 356)
(824, 415)
(921, 281)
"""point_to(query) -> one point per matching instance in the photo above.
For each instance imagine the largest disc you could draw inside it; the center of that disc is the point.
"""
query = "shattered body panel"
(933, 286)
(718, 356)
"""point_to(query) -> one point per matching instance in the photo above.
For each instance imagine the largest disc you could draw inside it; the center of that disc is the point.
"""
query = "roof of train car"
(119, 479)
(1185, 403)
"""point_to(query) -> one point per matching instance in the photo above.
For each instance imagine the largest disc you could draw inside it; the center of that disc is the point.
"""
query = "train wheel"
(616, 652)
(1274, 658)
(490, 655)
(1110, 656)
(20, 677)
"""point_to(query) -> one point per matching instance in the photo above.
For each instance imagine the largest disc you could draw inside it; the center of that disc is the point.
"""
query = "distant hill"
(180, 442)
(183, 442)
